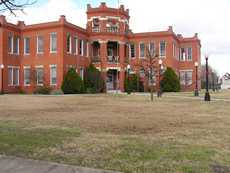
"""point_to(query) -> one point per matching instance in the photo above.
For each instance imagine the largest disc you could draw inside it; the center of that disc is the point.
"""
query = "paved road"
(19, 165)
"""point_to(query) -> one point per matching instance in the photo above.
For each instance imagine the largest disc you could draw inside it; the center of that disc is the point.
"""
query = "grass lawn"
(123, 133)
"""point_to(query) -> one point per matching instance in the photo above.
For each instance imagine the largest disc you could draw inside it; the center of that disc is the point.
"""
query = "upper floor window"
(96, 25)
(112, 25)
(69, 43)
(75, 46)
(81, 48)
(16, 45)
(53, 42)
(26, 46)
(10, 44)
(152, 49)
(189, 54)
(142, 50)
(53, 75)
(132, 50)
(40, 44)
(186, 54)
(162, 49)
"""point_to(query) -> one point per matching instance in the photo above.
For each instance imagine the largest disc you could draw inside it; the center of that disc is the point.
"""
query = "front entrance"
(112, 80)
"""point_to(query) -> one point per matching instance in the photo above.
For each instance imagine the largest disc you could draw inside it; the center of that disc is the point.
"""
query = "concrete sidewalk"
(19, 165)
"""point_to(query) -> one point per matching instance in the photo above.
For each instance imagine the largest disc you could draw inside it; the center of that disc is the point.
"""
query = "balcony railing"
(112, 29)
(95, 59)
(96, 29)
(113, 59)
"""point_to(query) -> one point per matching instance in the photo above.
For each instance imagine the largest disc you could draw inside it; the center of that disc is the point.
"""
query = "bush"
(93, 81)
(72, 83)
(132, 84)
(170, 81)
(45, 90)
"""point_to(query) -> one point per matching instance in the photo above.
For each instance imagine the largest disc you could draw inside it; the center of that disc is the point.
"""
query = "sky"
(208, 18)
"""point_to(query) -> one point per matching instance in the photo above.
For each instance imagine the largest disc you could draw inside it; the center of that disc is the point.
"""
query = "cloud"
(209, 18)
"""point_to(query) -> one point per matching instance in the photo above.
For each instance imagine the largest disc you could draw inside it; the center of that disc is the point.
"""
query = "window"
(82, 73)
(53, 75)
(40, 44)
(152, 49)
(81, 47)
(132, 50)
(69, 43)
(182, 54)
(13, 76)
(53, 42)
(39, 75)
(75, 46)
(26, 76)
(142, 50)
(189, 54)
(26, 46)
(186, 77)
(16, 45)
(10, 44)
(162, 49)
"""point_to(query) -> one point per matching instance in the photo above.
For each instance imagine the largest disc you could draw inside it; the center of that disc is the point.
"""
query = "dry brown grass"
(108, 124)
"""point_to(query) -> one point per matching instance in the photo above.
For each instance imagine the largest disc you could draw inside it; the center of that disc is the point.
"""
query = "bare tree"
(14, 5)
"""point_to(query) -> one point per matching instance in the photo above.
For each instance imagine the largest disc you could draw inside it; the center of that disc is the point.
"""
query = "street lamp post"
(2, 67)
(196, 92)
(207, 95)
(159, 78)
(128, 71)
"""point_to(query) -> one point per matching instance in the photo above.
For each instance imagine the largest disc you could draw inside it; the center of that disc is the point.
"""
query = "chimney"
(88, 6)
(122, 7)
(103, 5)
(170, 29)
(2, 19)
(179, 36)
(196, 35)
(21, 24)
(62, 19)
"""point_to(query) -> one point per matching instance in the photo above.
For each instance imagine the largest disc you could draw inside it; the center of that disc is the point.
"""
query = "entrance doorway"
(112, 80)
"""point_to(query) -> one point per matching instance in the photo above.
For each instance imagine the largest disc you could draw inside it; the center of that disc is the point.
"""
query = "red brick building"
(40, 54)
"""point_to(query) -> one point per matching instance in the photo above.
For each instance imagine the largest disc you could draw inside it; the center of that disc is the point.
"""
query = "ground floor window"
(186, 77)
(40, 75)
(13, 76)
(26, 76)
(53, 75)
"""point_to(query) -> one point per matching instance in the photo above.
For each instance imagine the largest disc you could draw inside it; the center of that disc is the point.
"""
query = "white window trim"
(52, 84)
(25, 45)
(191, 54)
(36, 67)
(51, 42)
(12, 44)
(140, 50)
(82, 47)
(87, 49)
(26, 67)
(70, 42)
(76, 45)
(37, 45)
(161, 56)
(187, 70)
(12, 75)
